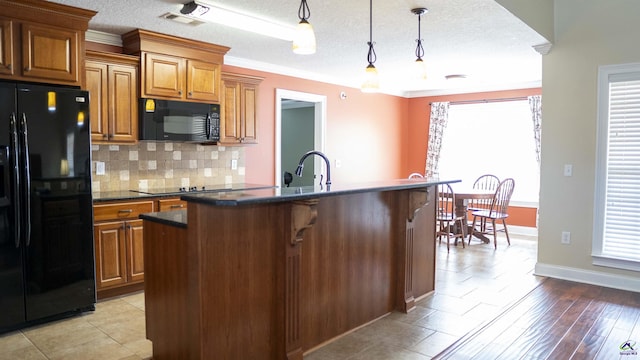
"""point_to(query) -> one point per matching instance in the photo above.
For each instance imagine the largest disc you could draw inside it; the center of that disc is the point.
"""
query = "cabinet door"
(96, 84)
(110, 254)
(49, 53)
(135, 256)
(249, 119)
(7, 60)
(163, 76)
(123, 96)
(230, 117)
(203, 81)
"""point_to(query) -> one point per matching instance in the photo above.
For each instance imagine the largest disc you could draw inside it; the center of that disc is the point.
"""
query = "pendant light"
(421, 67)
(304, 41)
(371, 82)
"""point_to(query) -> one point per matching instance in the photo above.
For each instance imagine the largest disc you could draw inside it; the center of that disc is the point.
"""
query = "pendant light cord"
(303, 11)
(419, 48)
(371, 55)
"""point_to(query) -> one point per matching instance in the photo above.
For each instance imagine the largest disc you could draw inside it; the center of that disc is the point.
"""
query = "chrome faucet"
(326, 160)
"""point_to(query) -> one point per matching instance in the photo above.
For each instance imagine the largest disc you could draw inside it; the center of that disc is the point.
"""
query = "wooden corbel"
(418, 198)
(303, 216)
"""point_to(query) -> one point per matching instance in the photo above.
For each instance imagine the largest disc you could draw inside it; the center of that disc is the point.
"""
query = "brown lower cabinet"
(119, 239)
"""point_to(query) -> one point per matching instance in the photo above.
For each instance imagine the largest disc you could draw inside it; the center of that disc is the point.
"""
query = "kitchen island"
(274, 273)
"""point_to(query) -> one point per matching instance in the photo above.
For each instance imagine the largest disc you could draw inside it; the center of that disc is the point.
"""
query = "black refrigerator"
(46, 229)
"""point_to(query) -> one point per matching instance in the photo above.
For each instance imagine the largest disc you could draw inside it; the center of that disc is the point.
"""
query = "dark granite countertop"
(267, 195)
(173, 218)
(246, 197)
(163, 193)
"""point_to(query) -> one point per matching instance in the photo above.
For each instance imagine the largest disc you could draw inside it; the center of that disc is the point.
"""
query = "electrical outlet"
(566, 238)
(568, 170)
(100, 168)
(234, 164)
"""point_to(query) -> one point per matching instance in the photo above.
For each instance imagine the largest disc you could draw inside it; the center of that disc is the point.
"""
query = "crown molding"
(103, 38)
(116, 40)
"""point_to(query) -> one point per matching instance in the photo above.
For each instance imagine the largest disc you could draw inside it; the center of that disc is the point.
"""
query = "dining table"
(462, 196)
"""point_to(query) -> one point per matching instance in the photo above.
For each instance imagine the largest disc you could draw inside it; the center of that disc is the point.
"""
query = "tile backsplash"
(159, 165)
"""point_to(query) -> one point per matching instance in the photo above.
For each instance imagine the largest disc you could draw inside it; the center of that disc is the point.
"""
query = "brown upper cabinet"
(42, 41)
(112, 81)
(239, 121)
(174, 68)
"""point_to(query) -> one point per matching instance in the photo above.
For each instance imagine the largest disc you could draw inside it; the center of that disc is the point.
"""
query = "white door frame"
(319, 121)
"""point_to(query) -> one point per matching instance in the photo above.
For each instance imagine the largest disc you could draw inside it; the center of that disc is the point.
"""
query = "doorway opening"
(300, 127)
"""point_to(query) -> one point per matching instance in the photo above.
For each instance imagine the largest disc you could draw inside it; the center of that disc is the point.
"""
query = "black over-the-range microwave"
(179, 121)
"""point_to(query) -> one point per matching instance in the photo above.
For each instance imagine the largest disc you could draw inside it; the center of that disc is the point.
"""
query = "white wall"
(537, 14)
(588, 33)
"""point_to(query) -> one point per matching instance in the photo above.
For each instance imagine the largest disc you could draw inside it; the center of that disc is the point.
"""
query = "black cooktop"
(197, 189)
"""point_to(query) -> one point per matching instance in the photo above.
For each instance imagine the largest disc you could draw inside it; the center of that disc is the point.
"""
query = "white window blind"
(616, 236)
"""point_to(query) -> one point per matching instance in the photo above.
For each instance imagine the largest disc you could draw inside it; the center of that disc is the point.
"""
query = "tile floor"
(472, 286)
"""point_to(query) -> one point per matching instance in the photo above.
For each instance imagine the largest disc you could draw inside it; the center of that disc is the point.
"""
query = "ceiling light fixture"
(371, 83)
(205, 11)
(421, 67)
(304, 41)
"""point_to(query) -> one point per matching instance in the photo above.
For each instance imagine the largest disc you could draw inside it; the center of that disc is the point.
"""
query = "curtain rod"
(479, 101)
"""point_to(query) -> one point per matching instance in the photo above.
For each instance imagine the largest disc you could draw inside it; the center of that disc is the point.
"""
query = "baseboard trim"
(615, 281)
(522, 230)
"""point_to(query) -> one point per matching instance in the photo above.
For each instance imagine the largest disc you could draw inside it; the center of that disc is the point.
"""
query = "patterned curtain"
(535, 104)
(437, 124)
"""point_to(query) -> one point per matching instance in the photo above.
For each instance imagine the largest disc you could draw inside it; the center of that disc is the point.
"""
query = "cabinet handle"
(9, 66)
(125, 211)
(190, 93)
(178, 206)
(180, 92)
(106, 136)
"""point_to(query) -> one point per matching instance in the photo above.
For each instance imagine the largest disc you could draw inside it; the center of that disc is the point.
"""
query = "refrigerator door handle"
(27, 180)
(14, 155)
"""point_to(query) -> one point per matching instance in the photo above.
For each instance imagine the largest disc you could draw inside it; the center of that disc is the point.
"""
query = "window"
(496, 138)
(617, 186)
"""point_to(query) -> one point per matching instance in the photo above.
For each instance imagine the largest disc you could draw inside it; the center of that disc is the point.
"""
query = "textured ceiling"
(478, 38)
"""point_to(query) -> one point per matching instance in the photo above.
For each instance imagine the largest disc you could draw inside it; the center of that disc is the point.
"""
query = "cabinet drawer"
(121, 210)
(171, 204)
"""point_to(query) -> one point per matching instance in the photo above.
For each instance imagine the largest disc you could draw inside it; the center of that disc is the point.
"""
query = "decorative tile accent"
(130, 167)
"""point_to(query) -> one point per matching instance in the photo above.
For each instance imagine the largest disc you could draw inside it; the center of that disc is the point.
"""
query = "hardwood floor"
(558, 320)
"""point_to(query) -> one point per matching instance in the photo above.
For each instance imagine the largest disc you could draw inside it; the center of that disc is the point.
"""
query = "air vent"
(182, 19)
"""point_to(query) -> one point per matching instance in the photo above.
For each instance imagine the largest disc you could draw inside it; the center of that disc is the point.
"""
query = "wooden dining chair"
(497, 211)
(484, 182)
(448, 223)
(487, 182)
